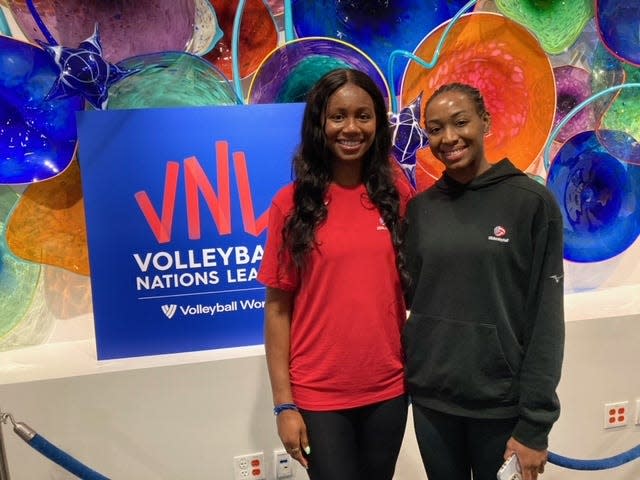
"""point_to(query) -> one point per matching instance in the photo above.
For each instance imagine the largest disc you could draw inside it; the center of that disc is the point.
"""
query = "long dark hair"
(312, 168)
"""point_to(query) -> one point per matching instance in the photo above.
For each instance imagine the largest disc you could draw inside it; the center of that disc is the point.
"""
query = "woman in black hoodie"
(485, 338)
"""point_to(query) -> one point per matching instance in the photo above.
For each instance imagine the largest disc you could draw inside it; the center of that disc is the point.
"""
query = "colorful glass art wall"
(561, 80)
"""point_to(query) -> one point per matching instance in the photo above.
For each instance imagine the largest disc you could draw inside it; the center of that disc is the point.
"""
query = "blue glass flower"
(377, 27)
(408, 137)
(84, 71)
(618, 22)
(599, 196)
(37, 135)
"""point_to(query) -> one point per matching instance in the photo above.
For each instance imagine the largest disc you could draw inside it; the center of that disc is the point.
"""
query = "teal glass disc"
(18, 278)
(171, 79)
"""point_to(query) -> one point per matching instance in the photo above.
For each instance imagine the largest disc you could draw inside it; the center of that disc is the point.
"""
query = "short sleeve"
(277, 269)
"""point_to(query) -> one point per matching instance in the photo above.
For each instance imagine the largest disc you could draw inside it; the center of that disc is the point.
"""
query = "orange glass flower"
(48, 225)
(258, 36)
(506, 63)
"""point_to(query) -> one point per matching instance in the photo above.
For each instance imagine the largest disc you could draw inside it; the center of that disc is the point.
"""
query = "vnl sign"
(177, 207)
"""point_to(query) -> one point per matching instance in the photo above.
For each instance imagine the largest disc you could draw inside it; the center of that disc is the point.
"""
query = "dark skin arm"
(291, 427)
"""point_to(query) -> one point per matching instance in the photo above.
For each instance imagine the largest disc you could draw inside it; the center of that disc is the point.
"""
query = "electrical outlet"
(637, 411)
(283, 465)
(616, 414)
(249, 467)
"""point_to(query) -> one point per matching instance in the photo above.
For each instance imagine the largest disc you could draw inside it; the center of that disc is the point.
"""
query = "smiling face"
(456, 132)
(349, 127)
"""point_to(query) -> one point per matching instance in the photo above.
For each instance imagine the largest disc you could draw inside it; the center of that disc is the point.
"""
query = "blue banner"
(177, 205)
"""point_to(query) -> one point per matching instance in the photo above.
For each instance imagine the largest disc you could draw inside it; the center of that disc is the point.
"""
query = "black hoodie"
(485, 336)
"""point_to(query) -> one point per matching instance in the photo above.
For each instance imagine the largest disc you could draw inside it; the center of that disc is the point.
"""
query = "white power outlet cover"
(616, 414)
(249, 467)
(283, 465)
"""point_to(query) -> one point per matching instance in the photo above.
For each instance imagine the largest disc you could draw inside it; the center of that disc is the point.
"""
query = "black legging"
(453, 447)
(356, 444)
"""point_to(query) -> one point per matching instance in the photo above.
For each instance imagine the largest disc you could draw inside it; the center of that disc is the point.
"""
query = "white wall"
(187, 421)
(602, 358)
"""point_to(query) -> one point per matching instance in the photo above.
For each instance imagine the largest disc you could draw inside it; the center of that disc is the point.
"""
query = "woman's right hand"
(293, 433)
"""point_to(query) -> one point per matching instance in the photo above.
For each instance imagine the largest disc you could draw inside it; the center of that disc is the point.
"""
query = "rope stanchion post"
(53, 453)
(4, 465)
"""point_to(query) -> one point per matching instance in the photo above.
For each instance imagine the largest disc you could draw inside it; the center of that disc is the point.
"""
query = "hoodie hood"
(496, 174)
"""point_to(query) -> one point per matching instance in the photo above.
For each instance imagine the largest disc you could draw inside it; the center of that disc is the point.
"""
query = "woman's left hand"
(531, 461)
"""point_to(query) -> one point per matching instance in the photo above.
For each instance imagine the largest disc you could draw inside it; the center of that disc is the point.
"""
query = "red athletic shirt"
(348, 309)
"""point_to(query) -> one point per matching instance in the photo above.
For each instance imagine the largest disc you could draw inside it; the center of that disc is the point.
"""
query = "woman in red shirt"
(335, 310)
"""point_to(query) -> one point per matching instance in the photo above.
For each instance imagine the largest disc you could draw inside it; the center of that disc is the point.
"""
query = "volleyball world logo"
(169, 310)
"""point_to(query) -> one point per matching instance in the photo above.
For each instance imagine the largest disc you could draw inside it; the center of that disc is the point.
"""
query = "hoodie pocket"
(460, 361)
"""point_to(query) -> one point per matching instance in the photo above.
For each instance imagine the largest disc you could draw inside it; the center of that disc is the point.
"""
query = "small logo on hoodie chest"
(499, 234)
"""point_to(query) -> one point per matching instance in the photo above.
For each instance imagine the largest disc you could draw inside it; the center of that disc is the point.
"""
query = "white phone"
(510, 469)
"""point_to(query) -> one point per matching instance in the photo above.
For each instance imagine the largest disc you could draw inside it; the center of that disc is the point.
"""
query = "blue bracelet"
(278, 409)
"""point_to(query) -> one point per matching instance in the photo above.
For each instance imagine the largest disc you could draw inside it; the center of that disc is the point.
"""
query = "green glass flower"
(18, 278)
(624, 112)
(556, 23)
